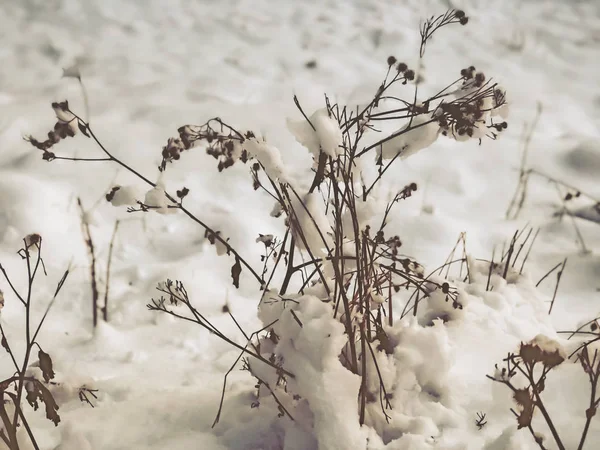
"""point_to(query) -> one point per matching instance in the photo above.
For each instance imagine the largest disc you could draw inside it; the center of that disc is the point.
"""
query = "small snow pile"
(414, 363)
(310, 225)
(124, 195)
(543, 349)
(323, 391)
(442, 306)
(269, 156)
(277, 210)
(157, 200)
(218, 240)
(366, 214)
(416, 135)
(411, 361)
(326, 135)
(548, 345)
(65, 116)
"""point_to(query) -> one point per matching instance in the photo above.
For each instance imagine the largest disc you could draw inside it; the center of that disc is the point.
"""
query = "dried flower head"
(222, 143)
(66, 126)
(182, 193)
(32, 240)
(543, 350)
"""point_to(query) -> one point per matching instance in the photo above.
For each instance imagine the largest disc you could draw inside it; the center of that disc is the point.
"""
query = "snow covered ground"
(152, 66)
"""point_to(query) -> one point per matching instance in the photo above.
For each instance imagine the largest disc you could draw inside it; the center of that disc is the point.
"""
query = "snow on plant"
(332, 356)
(123, 195)
(156, 199)
(525, 373)
(531, 365)
(320, 132)
(29, 380)
(424, 133)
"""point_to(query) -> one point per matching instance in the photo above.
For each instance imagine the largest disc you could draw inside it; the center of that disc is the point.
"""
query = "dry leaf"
(236, 270)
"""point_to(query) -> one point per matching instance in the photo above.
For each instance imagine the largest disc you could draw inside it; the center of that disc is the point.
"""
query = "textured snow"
(150, 67)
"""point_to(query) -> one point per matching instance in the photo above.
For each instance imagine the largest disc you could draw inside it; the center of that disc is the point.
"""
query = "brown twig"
(558, 278)
(31, 253)
(108, 264)
(87, 237)
(516, 204)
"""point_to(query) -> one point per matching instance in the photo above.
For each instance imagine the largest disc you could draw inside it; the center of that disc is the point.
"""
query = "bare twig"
(558, 277)
(87, 236)
(518, 200)
(107, 284)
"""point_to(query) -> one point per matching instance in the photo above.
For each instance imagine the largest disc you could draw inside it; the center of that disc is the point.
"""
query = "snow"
(65, 117)
(547, 345)
(157, 200)
(311, 353)
(422, 132)
(150, 68)
(312, 228)
(269, 156)
(125, 195)
(326, 135)
(72, 439)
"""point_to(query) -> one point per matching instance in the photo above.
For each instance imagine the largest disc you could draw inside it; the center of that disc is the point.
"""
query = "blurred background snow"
(152, 66)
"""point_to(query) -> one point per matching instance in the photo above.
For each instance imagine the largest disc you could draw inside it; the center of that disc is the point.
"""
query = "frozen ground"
(151, 66)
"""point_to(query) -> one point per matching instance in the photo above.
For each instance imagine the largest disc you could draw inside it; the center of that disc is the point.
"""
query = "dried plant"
(94, 275)
(334, 264)
(525, 374)
(480, 422)
(30, 380)
(104, 308)
(87, 237)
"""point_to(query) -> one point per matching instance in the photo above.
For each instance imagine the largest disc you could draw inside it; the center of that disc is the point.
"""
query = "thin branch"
(87, 236)
(108, 264)
(558, 277)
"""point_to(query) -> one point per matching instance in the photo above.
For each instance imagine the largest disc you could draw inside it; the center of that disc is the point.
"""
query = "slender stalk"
(87, 236)
(108, 264)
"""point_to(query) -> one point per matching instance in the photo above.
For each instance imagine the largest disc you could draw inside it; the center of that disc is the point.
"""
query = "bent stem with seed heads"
(32, 245)
(111, 158)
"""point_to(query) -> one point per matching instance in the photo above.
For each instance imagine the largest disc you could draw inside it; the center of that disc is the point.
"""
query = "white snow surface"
(150, 67)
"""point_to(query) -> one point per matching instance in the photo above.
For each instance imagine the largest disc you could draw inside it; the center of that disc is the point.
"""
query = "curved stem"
(111, 157)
